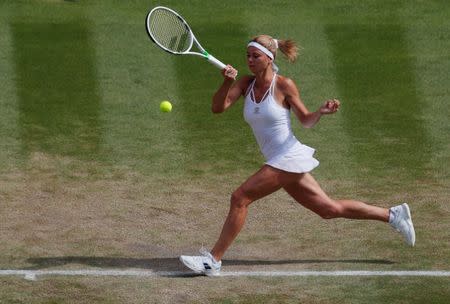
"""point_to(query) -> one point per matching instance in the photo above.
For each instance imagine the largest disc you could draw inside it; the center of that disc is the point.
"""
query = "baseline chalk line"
(34, 274)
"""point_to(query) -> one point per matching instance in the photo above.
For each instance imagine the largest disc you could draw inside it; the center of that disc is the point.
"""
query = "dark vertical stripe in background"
(204, 133)
(57, 88)
(381, 107)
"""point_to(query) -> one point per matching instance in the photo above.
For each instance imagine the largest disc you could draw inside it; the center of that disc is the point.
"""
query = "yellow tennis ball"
(165, 106)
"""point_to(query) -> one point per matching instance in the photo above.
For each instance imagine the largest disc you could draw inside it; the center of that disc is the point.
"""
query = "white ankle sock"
(391, 216)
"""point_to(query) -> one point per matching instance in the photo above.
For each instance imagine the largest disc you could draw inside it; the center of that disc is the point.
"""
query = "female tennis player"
(269, 98)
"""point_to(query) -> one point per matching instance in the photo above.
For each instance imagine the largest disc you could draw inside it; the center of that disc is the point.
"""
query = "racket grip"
(215, 61)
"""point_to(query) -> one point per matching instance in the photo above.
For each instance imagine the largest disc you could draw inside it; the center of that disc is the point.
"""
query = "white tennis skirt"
(297, 159)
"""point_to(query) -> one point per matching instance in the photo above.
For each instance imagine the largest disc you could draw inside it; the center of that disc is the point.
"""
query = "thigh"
(306, 191)
(264, 182)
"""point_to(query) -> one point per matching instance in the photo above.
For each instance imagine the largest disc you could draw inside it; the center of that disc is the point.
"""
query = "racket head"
(167, 29)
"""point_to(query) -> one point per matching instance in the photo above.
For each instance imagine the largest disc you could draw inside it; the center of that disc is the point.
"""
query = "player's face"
(256, 60)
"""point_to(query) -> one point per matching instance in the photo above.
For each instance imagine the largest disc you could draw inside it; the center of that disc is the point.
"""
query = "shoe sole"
(409, 220)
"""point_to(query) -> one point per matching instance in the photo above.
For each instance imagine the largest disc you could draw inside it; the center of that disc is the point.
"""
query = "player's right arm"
(230, 90)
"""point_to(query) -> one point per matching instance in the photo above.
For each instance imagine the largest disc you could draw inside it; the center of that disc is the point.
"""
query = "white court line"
(34, 274)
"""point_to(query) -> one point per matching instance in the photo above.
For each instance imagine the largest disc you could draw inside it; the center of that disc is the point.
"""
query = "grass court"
(94, 177)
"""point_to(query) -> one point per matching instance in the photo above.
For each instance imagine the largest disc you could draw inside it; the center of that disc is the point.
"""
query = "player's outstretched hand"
(330, 106)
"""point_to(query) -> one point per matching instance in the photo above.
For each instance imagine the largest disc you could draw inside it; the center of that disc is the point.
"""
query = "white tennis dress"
(271, 125)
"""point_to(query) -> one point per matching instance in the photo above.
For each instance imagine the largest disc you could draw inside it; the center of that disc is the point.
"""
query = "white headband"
(261, 48)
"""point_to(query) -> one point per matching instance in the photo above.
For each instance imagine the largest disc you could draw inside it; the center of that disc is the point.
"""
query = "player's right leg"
(262, 183)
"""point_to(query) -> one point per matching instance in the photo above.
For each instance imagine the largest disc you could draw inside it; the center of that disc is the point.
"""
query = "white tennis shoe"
(401, 221)
(204, 264)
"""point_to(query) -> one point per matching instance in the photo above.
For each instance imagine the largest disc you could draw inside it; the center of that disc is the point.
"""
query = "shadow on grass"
(173, 264)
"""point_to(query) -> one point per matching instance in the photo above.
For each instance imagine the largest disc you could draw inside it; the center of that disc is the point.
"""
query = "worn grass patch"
(93, 176)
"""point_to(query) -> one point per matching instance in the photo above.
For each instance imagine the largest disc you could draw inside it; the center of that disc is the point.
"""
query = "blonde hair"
(287, 47)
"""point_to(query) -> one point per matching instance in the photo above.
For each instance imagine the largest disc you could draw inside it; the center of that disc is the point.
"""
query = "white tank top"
(270, 122)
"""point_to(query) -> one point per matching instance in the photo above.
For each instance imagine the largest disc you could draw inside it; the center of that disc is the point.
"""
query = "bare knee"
(331, 211)
(239, 199)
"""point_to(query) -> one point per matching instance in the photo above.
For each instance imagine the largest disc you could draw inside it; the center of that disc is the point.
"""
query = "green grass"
(292, 290)
(92, 175)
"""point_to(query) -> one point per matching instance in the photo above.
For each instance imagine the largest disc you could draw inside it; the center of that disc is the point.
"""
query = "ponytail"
(287, 47)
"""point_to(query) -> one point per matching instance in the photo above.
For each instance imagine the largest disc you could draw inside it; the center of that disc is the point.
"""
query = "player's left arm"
(307, 119)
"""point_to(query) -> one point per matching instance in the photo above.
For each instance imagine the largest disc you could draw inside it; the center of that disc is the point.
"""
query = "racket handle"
(215, 61)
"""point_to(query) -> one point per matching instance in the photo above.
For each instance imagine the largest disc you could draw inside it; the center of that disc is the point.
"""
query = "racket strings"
(170, 31)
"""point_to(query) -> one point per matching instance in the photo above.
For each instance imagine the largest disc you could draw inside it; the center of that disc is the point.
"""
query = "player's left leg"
(306, 191)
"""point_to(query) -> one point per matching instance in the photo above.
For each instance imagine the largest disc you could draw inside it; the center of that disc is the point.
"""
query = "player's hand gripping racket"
(171, 32)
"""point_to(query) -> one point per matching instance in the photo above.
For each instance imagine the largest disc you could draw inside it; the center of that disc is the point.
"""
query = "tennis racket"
(171, 32)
